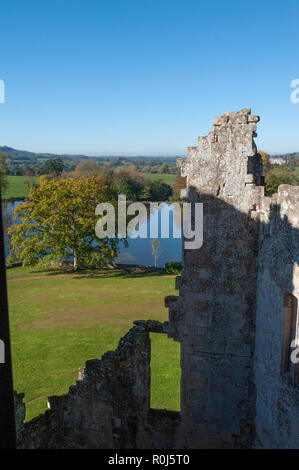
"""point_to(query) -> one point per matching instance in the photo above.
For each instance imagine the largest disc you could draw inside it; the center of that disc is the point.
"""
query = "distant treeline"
(20, 162)
(286, 156)
(291, 159)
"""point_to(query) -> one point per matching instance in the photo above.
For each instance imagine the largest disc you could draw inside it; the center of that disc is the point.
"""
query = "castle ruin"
(236, 319)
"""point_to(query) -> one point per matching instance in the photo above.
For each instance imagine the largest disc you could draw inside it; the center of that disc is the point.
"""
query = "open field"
(17, 187)
(59, 320)
(169, 179)
(296, 171)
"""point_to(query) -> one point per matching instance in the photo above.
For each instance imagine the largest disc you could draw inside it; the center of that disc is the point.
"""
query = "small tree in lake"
(58, 221)
(156, 249)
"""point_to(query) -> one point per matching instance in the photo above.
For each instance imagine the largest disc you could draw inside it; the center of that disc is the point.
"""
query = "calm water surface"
(139, 250)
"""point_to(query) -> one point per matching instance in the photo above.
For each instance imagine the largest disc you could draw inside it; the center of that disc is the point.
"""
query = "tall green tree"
(276, 176)
(58, 221)
(53, 167)
(160, 191)
(129, 182)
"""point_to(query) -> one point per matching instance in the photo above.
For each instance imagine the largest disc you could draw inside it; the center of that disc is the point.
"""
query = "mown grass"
(58, 322)
(17, 187)
(169, 179)
(296, 171)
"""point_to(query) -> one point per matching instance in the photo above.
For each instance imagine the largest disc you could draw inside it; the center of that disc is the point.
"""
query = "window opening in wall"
(165, 372)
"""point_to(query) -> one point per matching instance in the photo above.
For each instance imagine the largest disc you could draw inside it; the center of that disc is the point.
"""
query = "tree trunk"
(75, 261)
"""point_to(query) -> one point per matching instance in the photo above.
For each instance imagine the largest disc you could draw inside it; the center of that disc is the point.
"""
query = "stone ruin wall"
(109, 407)
(214, 315)
(228, 319)
(277, 404)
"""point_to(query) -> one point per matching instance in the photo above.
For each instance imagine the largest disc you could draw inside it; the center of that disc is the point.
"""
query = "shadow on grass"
(123, 274)
(104, 273)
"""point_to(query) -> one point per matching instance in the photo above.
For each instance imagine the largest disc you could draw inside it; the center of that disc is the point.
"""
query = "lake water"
(139, 250)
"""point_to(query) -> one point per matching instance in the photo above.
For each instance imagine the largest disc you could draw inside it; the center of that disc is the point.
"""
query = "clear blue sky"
(147, 76)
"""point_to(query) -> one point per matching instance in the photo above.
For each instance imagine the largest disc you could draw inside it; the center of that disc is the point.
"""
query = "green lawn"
(57, 323)
(296, 171)
(17, 187)
(169, 179)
